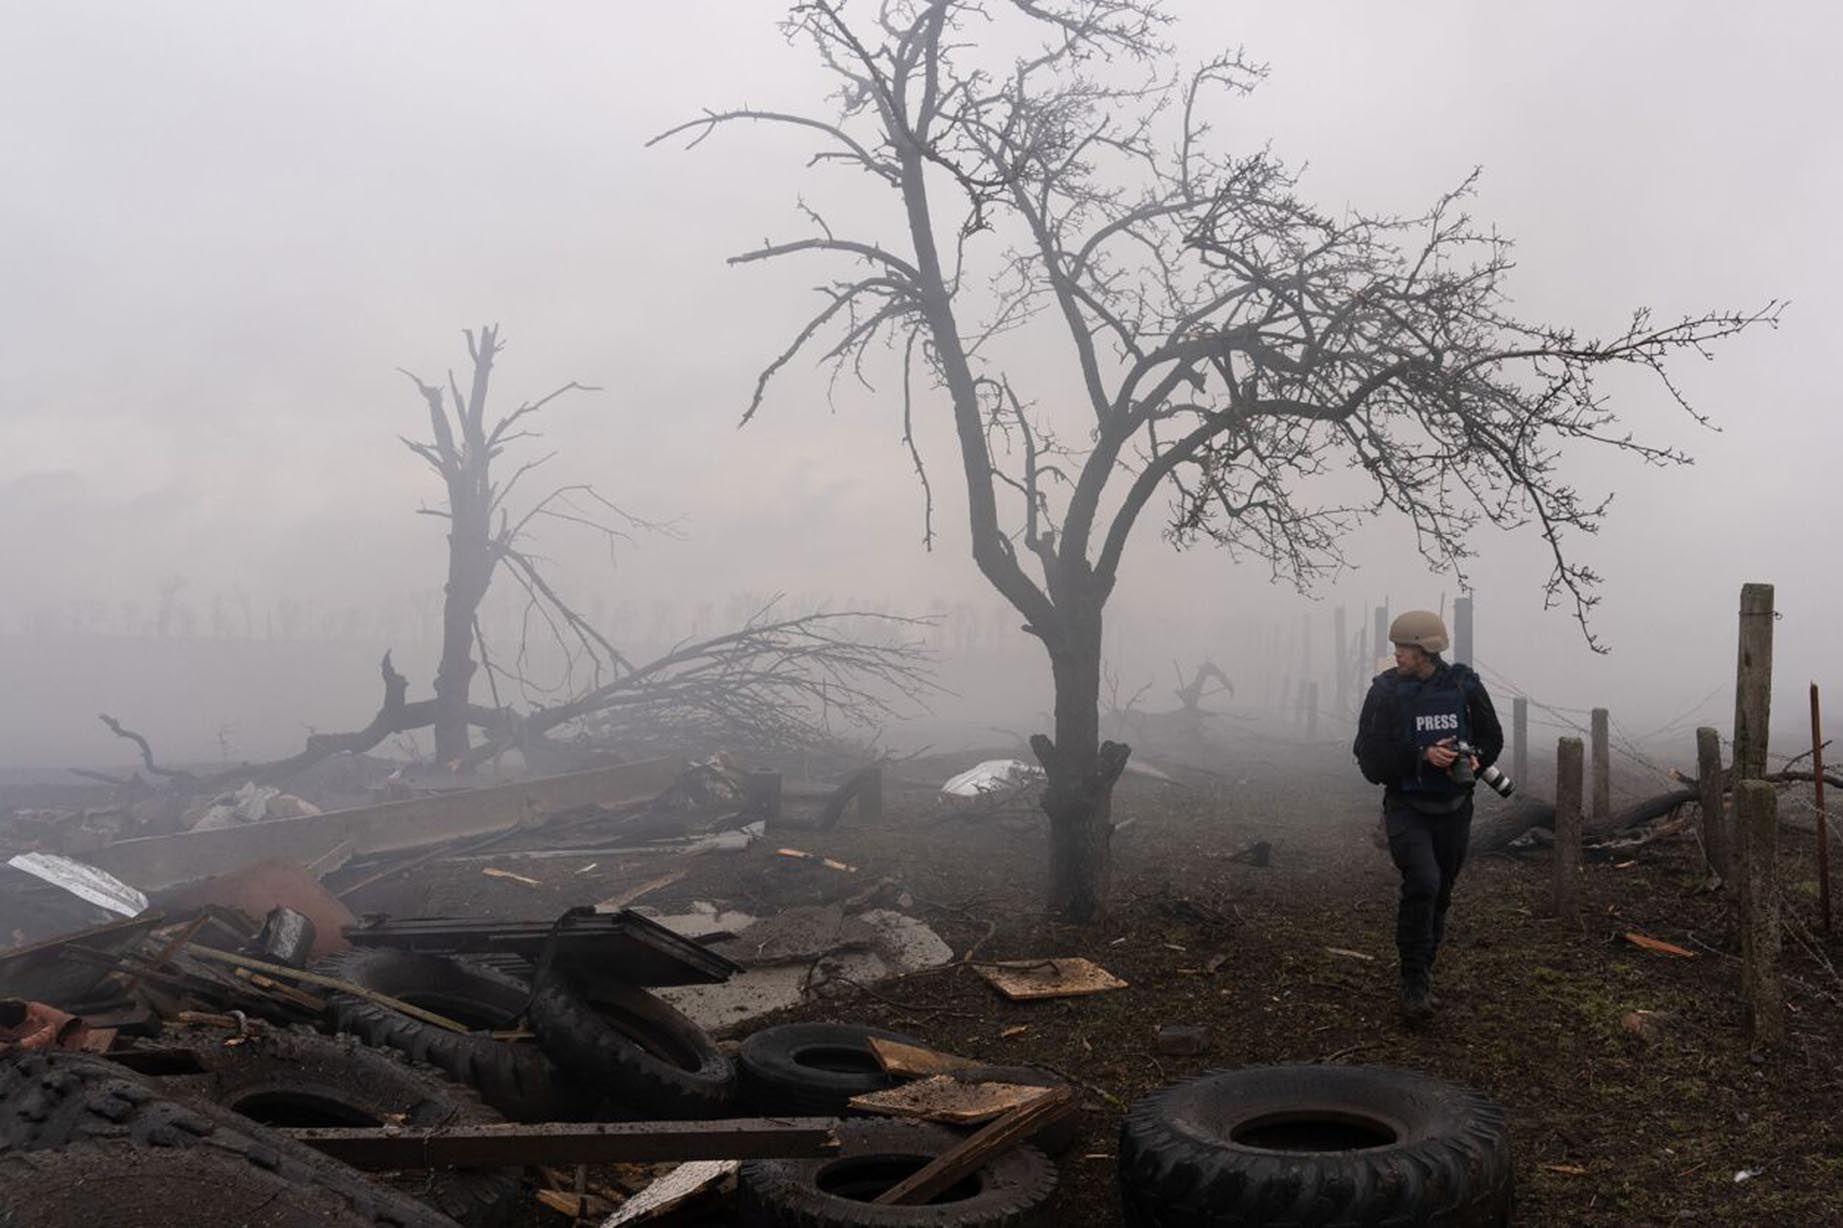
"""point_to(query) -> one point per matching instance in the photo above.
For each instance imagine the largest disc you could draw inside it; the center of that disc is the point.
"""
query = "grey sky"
(226, 224)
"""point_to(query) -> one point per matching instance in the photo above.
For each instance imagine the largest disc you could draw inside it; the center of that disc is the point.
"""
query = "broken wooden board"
(913, 1061)
(155, 862)
(971, 1154)
(944, 1098)
(672, 1191)
(827, 862)
(1648, 943)
(1025, 979)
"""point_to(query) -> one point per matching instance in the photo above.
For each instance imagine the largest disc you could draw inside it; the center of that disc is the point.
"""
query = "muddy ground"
(1608, 1129)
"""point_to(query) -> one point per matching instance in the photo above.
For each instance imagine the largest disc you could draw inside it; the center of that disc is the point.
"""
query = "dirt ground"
(1607, 1128)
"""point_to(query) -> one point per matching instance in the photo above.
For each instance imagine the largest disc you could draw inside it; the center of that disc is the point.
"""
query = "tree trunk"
(1081, 770)
(470, 570)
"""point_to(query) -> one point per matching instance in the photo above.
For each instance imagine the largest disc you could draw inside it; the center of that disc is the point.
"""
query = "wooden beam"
(153, 863)
(513, 1144)
(971, 1154)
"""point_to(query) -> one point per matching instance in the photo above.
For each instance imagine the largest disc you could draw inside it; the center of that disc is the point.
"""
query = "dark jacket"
(1391, 752)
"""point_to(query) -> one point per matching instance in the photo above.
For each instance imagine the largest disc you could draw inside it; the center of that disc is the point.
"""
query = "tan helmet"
(1421, 628)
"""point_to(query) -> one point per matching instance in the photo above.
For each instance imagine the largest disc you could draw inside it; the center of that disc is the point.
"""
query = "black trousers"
(1428, 849)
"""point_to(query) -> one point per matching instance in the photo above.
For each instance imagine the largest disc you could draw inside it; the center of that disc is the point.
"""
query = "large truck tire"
(119, 1125)
(299, 1078)
(1315, 1147)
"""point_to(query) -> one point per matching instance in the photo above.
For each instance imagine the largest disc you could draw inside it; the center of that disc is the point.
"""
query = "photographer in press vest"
(1426, 731)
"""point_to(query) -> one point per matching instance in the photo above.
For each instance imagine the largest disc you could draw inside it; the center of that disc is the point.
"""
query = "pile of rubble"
(225, 1042)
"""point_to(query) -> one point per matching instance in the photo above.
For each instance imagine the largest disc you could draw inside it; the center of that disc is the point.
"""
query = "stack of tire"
(1315, 1147)
(604, 1048)
(814, 1069)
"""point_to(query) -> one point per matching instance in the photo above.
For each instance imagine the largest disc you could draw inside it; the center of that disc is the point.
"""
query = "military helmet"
(1421, 628)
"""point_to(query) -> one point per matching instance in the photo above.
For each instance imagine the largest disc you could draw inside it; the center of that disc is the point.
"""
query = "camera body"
(1462, 773)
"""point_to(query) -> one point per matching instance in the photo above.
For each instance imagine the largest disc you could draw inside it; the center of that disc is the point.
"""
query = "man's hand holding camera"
(1444, 753)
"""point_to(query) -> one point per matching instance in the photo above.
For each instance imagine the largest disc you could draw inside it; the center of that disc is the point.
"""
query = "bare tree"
(1229, 343)
(484, 533)
(776, 680)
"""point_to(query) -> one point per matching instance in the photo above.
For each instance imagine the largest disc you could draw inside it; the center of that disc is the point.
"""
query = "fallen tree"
(1493, 832)
(776, 681)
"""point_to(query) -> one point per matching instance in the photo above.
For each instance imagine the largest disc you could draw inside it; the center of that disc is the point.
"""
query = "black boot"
(1416, 999)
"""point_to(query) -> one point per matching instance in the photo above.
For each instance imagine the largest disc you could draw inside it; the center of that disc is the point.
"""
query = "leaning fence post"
(1602, 768)
(1568, 828)
(1756, 808)
(1519, 740)
(1715, 826)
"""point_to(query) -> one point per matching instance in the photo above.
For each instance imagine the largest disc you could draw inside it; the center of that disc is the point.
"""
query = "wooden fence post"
(1753, 686)
(1715, 827)
(1340, 646)
(1568, 829)
(1602, 768)
(1756, 808)
(1519, 740)
(1462, 630)
(1823, 820)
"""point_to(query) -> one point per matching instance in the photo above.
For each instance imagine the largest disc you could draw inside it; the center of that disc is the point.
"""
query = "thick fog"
(226, 226)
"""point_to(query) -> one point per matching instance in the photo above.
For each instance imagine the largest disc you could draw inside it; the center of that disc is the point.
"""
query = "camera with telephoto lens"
(1462, 773)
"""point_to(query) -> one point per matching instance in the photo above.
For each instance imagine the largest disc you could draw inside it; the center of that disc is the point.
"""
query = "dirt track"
(1607, 1130)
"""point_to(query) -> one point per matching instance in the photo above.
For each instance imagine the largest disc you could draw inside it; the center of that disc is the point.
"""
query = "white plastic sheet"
(86, 882)
(992, 776)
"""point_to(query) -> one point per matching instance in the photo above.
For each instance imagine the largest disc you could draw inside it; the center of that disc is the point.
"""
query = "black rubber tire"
(89, 1184)
(517, 1079)
(812, 1069)
(53, 1101)
(873, 1155)
(301, 1078)
(1253, 1147)
(637, 1049)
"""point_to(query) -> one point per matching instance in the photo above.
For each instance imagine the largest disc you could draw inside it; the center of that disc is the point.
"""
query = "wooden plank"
(279, 972)
(515, 1144)
(946, 1099)
(1048, 978)
(913, 1061)
(971, 1154)
(153, 863)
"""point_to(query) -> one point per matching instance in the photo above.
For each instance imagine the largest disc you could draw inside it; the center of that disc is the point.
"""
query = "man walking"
(1415, 718)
